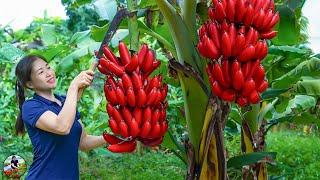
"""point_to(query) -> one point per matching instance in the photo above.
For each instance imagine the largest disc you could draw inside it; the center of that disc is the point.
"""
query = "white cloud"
(19, 13)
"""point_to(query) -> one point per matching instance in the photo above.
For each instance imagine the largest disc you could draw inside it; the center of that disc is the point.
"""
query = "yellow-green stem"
(133, 25)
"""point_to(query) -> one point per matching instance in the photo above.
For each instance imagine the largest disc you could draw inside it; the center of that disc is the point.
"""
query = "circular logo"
(14, 166)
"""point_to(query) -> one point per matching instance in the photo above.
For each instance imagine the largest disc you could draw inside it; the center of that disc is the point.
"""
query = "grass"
(150, 165)
(298, 158)
(298, 155)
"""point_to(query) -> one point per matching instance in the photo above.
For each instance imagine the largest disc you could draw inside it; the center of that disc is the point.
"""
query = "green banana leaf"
(307, 68)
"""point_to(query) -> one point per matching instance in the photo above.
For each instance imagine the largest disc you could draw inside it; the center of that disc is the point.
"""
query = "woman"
(52, 121)
(14, 162)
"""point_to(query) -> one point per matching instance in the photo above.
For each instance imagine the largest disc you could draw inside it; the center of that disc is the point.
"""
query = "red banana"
(211, 13)
(111, 139)
(126, 80)
(262, 86)
(153, 83)
(134, 128)
(110, 94)
(109, 55)
(155, 116)
(111, 82)
(102, 70)
(131, 98)
(248, 16)
(238, 80)
(163, 115)
(116, 115)
(142, 53)
(254, 66)
(254, 97)
(226, 71)
(240, 10)
(124, 53)
(112, 67)
(246, 68)
(220, 12)
(232, 34)
(164, 127)
(109, 109)
(268, 35)
(217, 73)
(136, 81)
(216, 88)
(121, 97)
(123, 129)
(249, 36)
(248, 87)
(228, 95)
(247, 54)
(230, 11)
(155, 131)
(273, 21)
(242, 101)
(124, 147)
(134, 63)
(209, 46)
(148, 61)
(137, 114)
(147, 113)
(214, 34)
(127, 116)
(164, 92)
(141, 97)
(152, 96)
(259, 74)
(114, 126)
(226, 45)
(146, 127)
(239, 44)
(267, 19)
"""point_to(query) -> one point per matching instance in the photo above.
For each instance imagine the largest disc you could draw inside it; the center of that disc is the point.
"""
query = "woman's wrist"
(73, 87)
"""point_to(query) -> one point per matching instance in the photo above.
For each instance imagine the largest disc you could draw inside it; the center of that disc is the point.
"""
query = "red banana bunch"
(234, 41)
(136, 102)
(141, 123)
(259, 14)
(239, 82)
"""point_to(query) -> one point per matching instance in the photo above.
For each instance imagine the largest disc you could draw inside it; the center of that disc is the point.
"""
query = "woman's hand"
(83, 80)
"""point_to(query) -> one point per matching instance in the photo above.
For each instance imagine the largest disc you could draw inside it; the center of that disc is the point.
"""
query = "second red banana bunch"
(234, 41)
(136, 102)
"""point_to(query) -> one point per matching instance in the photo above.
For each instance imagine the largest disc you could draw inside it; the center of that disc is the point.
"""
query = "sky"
(19, 13)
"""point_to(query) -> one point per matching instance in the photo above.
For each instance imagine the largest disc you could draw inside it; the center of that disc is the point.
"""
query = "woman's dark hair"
(23, 74)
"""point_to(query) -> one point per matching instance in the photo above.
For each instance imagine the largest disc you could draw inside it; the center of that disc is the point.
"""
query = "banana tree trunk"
(253, 140)
(212, 151)
(212, 158)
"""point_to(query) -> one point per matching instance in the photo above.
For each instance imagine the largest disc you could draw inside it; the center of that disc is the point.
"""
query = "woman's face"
(43, 78)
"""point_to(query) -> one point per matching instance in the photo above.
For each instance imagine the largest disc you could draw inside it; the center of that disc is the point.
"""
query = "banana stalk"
(252, 140)
(133, 25)
(212, 156)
